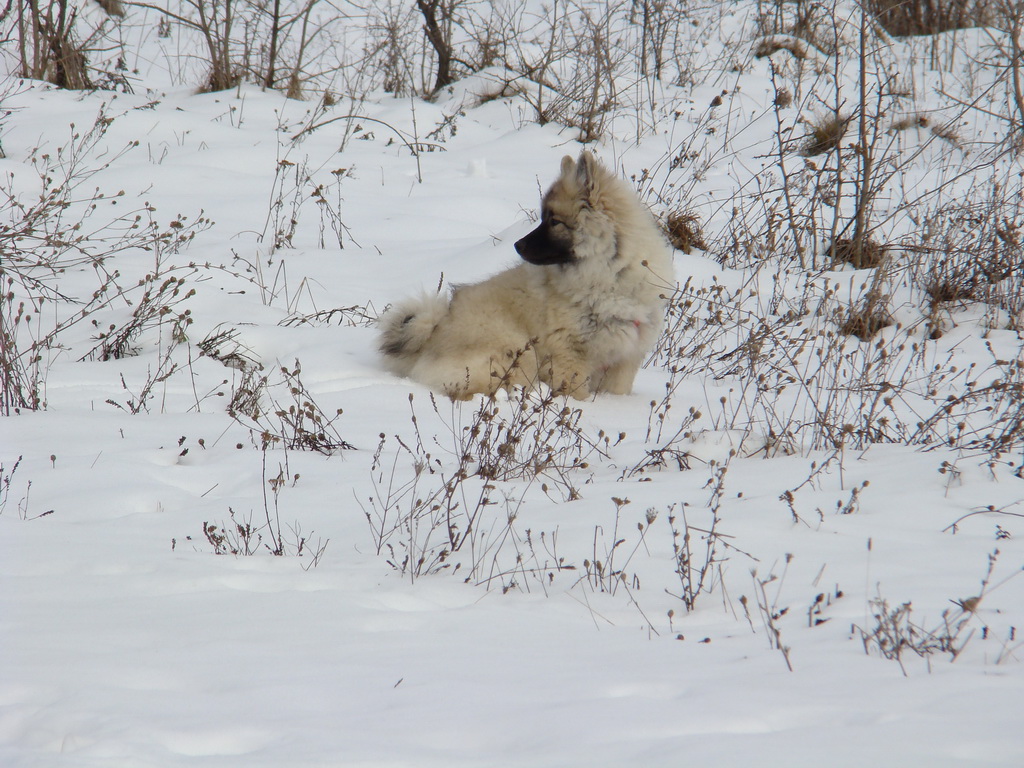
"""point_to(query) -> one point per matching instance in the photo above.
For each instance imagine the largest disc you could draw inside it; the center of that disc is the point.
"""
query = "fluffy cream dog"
(580, 315)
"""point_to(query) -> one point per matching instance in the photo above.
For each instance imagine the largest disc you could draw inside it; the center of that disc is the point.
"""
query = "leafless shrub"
(802, 22)
(809, 363)
(215, 22)
(697, 552)
(863, 250)
(37, 239)
(983, 417)
(392, 46)
(605, 570)
(57, 231)
(234, 538)
(972, 250)
(263, 41)
(420, 48)
(576, 75)
(1008, 17)
(492, 32)
(896, 634)
(592, 93)
(694, 565)
(420, 522)
(6, 480)
(791, 378)
(802, 205)
(956, 279)
(695, 319)
(439, 18)
(265, 45)
(155, 306)
(137, 400)
(355, 316)
(673, 451)
(22, 365)
(468, 505)
(48, 43)
(223, 345)
(242, 538)
(770, 612)
(534, 435)
(247, 393)
(659, 21)
(295, 185)
(295, 421)
(950, 281)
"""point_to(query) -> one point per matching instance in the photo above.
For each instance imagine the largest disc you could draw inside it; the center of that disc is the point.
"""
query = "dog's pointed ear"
(568, 166)
(586, 170)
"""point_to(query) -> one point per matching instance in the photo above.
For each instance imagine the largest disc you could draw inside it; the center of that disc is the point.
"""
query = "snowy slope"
(126, 640)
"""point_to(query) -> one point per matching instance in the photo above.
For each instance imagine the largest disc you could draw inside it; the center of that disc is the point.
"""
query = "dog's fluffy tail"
(406, 327)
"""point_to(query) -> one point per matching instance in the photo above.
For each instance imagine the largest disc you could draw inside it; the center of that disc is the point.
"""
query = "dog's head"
(555, 239)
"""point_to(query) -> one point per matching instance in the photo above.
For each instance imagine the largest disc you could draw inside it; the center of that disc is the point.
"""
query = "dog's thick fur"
(579, 315)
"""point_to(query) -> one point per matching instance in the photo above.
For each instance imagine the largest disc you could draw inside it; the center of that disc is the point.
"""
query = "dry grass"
(905, 123)
(868, 256)
(825, 135)
(770, 45)
(683, 230)
(905, 18)
(865, 320)
(783, 98)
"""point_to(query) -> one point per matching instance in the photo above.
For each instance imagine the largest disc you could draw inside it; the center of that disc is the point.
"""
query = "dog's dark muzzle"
(541, 247)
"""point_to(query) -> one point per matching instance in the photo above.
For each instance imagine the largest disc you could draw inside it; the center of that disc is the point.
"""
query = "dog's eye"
(558, 223)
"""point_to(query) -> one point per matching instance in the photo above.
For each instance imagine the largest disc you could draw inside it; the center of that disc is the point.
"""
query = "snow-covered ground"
(562, 632)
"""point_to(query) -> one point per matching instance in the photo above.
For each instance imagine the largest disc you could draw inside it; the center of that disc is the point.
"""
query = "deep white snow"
(125, 640)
